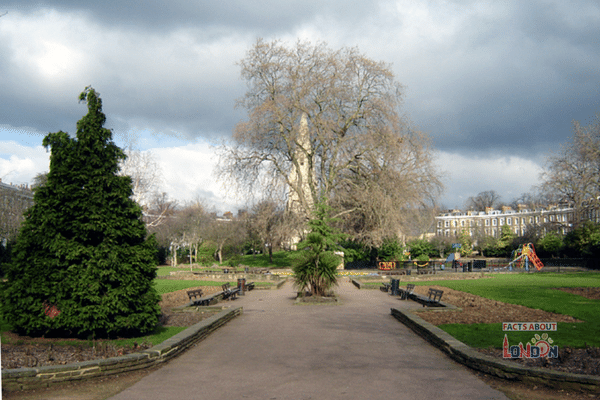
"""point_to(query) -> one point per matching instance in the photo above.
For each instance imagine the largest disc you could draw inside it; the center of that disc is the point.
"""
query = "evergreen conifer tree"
(82, 265)
(316, 267)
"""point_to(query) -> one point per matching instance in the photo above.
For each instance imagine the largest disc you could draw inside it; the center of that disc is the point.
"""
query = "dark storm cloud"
(260, 17)
(513, 79)
(503, 77)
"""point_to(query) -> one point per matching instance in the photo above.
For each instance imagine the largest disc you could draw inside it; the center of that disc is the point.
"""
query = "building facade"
(490, 222)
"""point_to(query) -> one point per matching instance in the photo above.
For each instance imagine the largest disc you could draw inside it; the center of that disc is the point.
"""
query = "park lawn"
(281, 259)
(533, 290)
(166, 270)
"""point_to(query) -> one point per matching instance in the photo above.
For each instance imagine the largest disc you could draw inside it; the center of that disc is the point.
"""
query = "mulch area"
(28, 352)
(479, 310)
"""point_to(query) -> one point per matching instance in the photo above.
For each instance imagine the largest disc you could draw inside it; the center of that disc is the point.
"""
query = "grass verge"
(534, 291)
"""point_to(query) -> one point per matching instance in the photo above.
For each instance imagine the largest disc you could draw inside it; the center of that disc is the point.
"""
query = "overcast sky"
(495, 84)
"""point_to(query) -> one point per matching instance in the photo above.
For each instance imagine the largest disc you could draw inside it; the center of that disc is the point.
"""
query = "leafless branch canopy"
(360, 154)
(573, 175)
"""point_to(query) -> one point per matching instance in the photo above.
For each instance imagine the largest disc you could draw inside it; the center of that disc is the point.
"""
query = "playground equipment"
(452, 260)
(525, 254)
(386, 265)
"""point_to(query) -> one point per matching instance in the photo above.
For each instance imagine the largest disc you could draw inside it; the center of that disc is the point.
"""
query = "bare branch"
(326, 123)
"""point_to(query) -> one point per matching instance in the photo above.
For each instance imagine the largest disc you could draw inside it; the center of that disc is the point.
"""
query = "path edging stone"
(31, 378)
(470, 357)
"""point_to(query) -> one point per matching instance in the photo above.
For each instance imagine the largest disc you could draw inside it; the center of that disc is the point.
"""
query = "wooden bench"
(425, 272)
(197, 299)
(385, 287)
(434, 297)
(404, 293)
(228, 292)
(249, 286)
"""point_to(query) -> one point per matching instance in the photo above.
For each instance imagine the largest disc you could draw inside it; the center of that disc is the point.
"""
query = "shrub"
(316, 267)
(82, 264)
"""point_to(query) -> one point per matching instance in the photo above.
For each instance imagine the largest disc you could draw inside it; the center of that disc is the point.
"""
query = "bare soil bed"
(479, 310)
(24, 351)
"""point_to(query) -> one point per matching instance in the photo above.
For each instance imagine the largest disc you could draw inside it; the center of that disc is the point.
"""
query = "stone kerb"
(29, 378)
(470, 357)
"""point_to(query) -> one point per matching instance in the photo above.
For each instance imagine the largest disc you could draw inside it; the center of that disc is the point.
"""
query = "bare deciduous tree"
(483, 200)
(159, 209)
(267, 221)
(14, 201)
(574, 173)
(146, 177)
(335, 116)
(39, 180)
(220, 231)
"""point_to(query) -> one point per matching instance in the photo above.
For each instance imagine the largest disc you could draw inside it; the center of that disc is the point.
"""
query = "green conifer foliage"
(82, 264)
(316, 268)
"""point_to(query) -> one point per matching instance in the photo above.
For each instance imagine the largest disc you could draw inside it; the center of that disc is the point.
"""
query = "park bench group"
(433, 298)
(197, 297)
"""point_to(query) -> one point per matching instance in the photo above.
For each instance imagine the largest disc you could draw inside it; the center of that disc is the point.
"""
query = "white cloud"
(188, 173)
(20, 164)
(467, 176)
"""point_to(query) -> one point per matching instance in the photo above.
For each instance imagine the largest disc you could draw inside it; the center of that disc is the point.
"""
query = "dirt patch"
(28, 352)
(576, 361)
(592, 293)
(479, 310)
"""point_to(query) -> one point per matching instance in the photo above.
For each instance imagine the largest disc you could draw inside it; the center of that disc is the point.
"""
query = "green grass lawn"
(167, 286)
(166, 271)
(281, 259)
(534, 291)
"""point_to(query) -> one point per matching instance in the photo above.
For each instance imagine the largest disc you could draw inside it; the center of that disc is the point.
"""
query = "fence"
(479, 265)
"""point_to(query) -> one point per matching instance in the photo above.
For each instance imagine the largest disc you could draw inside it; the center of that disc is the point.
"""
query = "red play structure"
(525, 254)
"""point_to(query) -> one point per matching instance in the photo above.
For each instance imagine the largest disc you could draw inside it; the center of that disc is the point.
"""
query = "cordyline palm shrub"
(82, 265)
(316, 268)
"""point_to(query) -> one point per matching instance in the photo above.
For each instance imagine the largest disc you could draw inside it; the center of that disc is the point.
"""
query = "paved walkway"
(277, 350)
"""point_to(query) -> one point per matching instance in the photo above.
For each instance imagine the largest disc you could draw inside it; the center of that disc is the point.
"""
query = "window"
(487, 222)
(501, 221)
(495, 222)
(508, 221)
